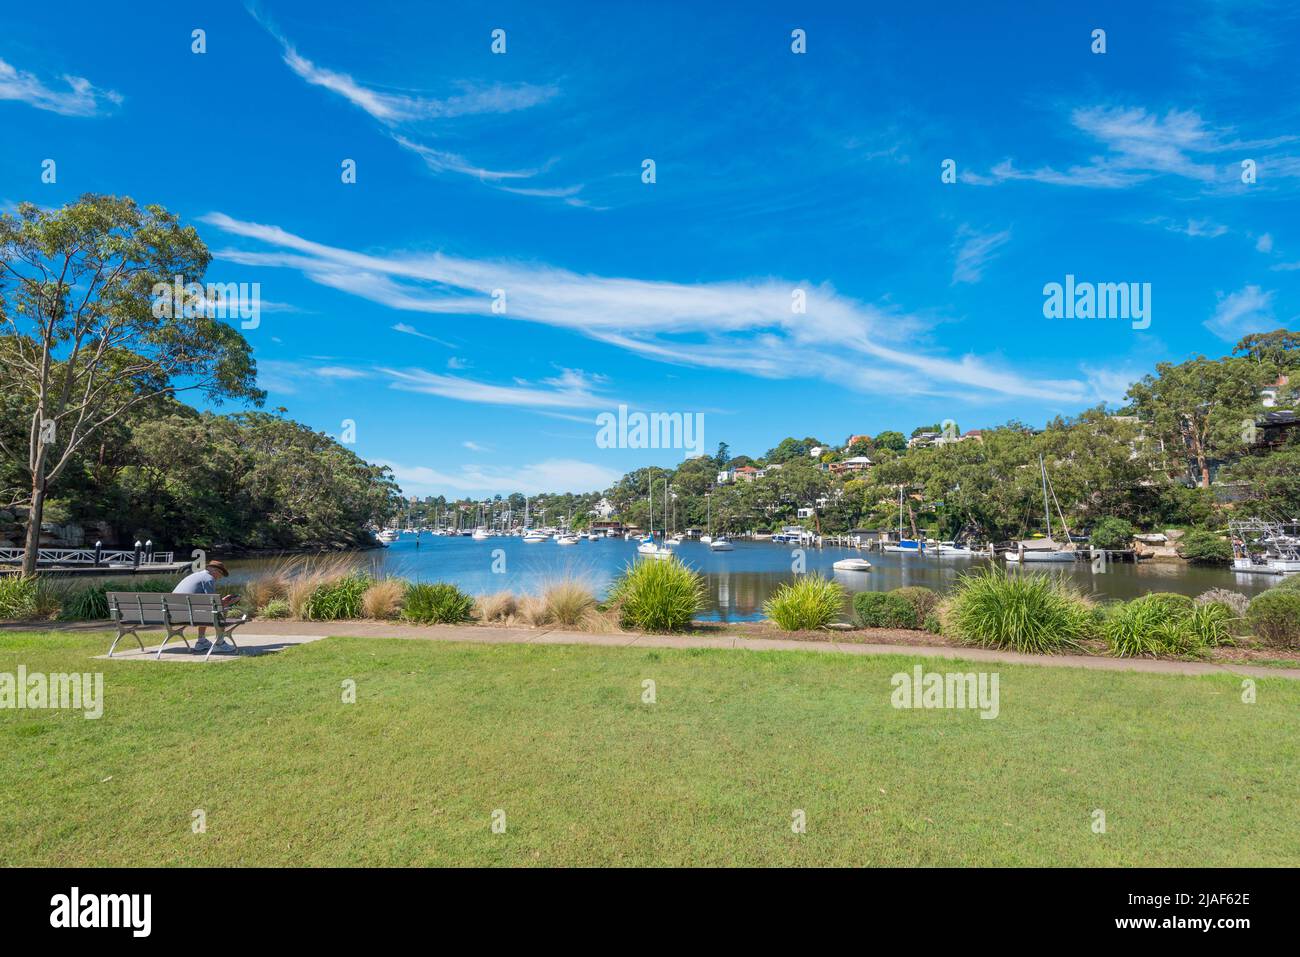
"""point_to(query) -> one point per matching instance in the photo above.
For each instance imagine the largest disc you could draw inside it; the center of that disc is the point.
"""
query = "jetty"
(140, 560)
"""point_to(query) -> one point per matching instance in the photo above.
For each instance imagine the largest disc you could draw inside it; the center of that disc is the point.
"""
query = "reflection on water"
(737, 582)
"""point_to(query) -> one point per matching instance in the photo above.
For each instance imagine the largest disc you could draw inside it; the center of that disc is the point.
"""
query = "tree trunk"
(33, 541)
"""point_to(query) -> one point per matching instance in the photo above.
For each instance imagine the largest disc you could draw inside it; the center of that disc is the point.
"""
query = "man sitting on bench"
(204, 582)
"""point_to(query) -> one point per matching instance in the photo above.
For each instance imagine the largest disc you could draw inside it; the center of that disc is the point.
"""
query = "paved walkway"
(272, 635)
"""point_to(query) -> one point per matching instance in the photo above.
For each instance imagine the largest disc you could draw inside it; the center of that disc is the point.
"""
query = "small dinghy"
(852, 565)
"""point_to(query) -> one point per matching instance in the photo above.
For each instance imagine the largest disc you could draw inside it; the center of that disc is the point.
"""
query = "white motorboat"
(706, 539)
(532, 538)
(651, 550)
(674, 541)
(480, 534)
(720, 544)
(567, 540)
(953, 550)
(592, 537)
(389, 535)
(852, 565)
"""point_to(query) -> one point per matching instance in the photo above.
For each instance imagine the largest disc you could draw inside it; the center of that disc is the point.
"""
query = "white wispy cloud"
(548, 475)
(81, 98)
(474, 446)
(1265, 243)
(976, 251)
(1139, 145)
(572, 389)
(410, 330)
(742, 326)
(1249, 309)
(403, 112)
(1194, 228)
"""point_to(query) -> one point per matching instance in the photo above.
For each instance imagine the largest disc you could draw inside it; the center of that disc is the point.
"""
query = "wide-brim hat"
(219, 566)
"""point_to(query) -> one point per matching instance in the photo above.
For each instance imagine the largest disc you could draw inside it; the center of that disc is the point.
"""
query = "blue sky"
(775, 171)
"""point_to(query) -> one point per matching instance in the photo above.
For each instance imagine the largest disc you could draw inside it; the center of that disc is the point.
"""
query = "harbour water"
(740, 581)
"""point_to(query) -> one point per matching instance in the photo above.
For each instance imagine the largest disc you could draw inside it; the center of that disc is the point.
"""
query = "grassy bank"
(559, 739)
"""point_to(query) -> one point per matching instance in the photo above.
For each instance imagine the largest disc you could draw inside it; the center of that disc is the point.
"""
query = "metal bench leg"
(122, 634)
(173, 633)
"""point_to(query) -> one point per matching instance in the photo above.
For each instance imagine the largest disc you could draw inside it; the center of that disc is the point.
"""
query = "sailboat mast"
(1047, 511)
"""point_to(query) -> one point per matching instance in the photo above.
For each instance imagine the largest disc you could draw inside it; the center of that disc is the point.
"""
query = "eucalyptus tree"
(82, 339)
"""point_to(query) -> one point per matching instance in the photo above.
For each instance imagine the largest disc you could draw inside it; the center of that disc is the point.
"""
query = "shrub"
(1204, 547)
(499, 607)
(876, 609)
(655, 595)
(1032, 613)
(1111, 533)
(90, 602)
(1162, 623)
(275, 608)
(1234, 601)
(1274, 616)
(383, 598)
(568, 603)
(1290, 582)
(807, 603)
(933, 623)
(336, 600)
(923, 599)
(439, 603)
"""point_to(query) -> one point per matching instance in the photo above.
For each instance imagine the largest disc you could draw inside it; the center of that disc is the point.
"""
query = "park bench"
(133, 610)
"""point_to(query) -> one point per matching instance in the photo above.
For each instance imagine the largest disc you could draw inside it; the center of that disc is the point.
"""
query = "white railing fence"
(89, 556)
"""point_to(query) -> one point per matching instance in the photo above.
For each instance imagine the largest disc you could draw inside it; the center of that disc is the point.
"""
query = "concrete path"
(273, 635)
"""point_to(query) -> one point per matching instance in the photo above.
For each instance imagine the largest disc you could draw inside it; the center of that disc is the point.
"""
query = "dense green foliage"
(336, 599)
(875, 609)
(1111, 533)
(807, 603)
(1274, 616)
(436, 604)
(1033, 613)
(657, 595)
(1203, 547)
(1165, 624)
(923, 599)
(89, 602)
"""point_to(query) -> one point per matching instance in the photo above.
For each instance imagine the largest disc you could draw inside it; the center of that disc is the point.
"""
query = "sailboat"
(1045, 551)
(906, 546)
(648, 547)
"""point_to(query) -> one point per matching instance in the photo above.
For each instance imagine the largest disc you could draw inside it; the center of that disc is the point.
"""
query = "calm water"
(740, 581)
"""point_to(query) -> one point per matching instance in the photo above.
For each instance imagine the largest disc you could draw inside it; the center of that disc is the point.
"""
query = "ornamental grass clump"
(808, 603)
(1030, 613)
(657, 595)
(383, 598)
(436, 604)
(337, 599)
(1166, 624)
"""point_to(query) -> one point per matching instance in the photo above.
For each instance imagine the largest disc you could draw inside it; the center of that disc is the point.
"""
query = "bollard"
(148, 551)
(99, 548)
(138, 547)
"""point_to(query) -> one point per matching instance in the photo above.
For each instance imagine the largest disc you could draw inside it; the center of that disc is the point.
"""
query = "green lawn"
(557, 737)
